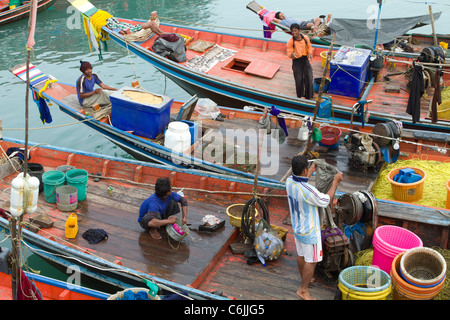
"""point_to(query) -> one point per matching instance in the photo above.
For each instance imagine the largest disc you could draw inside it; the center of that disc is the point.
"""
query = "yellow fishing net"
(443, 110)
(434, 190)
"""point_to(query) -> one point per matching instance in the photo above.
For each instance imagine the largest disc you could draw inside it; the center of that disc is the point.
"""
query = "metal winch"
(356, 207)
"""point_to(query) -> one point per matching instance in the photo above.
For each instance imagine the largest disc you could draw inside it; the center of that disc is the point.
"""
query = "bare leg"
(306, 272)
(153, 26)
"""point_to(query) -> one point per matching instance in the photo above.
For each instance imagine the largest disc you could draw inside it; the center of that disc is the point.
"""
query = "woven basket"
(423, 267)
(119, 295)
(234, 213)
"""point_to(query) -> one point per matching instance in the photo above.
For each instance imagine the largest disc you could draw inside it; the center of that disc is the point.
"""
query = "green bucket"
(52, 180)
(78, 178)
(15, 3)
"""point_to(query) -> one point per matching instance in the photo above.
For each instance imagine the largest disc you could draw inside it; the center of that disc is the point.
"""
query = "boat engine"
(350, 208)
(434, 54)
(364, 152)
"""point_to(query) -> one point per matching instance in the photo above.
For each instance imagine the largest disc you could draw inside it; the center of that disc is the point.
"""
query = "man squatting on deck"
(304, 203)
(159, 209)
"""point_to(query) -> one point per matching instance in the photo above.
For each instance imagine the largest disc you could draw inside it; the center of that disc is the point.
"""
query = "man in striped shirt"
(304, 202)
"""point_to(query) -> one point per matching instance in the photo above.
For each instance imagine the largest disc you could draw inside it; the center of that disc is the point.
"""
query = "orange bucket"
(448, 194)
(407, 192)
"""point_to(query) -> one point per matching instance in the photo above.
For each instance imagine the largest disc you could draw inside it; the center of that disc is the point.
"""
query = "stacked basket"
(388, 241)
(418, 274)
(364, 283)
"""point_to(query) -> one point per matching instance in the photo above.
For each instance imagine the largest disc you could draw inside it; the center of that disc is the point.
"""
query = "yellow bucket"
(71, 226)
(323, 55)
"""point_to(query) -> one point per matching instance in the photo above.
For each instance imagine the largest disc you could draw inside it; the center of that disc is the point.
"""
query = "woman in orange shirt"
(300, 51)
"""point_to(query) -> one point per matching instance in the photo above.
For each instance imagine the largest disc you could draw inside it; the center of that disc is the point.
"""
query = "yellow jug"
(71, 226)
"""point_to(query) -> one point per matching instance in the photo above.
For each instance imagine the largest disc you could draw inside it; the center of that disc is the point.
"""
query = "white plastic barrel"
(177, 137)
(17, 191)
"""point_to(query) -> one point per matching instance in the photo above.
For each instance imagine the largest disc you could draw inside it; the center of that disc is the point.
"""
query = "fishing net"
(434, 190)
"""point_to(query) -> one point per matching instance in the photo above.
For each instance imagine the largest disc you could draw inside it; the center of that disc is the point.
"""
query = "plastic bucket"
(423, 267)
(402, 290)
(330, 137)
(323, 55)
(52, 180)
(65, 168)
(388, 242)
(317, 82)
(78, 178)
(66, 198)
(364, 283)
(408, 192)
(36, 170)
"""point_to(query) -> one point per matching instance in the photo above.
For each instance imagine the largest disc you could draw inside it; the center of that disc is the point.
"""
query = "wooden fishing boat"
(204, 262)
(51, 289)
(8, 15)
(259, 73)
(237, 123)
(142, 148)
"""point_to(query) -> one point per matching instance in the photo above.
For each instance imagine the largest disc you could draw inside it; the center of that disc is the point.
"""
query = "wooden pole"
(316, 109)
(432, 25)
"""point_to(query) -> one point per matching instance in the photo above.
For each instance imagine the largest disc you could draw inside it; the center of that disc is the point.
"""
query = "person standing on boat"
(304, 202)
(87, 95)
(159, 209)
(299, 49)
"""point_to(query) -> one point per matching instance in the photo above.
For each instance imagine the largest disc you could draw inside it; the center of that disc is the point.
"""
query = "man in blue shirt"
(304, 202)
(159, 209)
(87, 96)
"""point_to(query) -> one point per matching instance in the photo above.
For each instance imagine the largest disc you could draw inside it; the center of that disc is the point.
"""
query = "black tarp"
(352, 32)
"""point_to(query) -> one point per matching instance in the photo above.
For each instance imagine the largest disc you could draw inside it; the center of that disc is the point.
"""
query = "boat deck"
(204, 260)
(269, 55)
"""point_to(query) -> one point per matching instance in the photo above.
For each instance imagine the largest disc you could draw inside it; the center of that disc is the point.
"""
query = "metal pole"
(378, 24)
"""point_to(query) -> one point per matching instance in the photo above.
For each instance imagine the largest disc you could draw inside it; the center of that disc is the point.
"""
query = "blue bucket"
(316, 85)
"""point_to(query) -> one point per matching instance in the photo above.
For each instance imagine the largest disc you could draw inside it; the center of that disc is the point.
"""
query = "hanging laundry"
(416, 92)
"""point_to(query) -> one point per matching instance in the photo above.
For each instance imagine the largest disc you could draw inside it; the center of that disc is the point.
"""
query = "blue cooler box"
(349, 81)
(145, 120)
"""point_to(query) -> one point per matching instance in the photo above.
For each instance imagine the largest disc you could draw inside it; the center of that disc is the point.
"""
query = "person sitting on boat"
(127, 28)
(87, 95)
(281, 18)
(159, 209)
(304, 203)
(299, 49)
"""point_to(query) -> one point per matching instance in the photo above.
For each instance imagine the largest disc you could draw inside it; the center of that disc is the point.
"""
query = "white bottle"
(303, 132)
(17, 192)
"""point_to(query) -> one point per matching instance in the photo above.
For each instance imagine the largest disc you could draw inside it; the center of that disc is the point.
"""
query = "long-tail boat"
(239, 70)
(202, 263)
(13, 13)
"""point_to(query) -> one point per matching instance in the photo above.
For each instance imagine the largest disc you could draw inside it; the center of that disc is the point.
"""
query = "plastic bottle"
(17, 193)
(303, 132)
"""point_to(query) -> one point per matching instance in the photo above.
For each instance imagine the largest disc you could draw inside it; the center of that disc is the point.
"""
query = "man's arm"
(106, 87)
(184, 209)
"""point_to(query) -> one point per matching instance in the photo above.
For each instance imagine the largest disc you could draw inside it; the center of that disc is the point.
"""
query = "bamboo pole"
(316, 109)
(432, 25)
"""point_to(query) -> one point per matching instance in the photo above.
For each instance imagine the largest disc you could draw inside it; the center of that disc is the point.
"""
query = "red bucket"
(330, 135)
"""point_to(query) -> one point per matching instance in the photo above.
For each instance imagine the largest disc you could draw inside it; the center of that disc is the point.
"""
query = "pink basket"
(388, 242)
